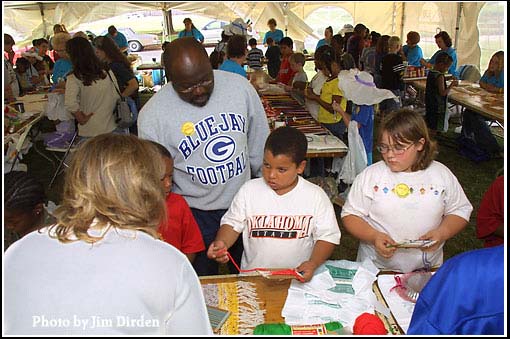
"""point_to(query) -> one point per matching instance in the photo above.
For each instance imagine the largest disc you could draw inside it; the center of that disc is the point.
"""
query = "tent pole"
(403, 21)
(41, 9)
(460, 6)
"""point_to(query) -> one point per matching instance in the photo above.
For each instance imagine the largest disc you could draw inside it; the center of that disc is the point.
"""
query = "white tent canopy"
(459, 19)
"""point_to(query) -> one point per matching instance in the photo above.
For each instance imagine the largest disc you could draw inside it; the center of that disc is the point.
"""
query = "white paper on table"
(313, 302)
(402, 309)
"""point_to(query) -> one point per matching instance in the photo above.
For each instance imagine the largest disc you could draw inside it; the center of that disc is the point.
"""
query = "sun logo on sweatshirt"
(188, 128)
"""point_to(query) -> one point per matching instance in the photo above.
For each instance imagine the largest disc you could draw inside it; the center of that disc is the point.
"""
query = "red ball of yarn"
(368, 323)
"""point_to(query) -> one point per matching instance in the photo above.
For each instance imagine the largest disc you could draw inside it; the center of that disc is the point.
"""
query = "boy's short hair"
(288, 141)
(443, 58)
(287, 42)
(298, 58)
(269, 40)
(161, 149)
(271, 21)
(252, 42)
(393, 42)
(413, 37)
(236, 46)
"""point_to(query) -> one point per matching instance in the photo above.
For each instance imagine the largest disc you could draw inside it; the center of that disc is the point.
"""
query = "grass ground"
(474, 178)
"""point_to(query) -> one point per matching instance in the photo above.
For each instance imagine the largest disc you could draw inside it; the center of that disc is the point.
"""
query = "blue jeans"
(209, 224)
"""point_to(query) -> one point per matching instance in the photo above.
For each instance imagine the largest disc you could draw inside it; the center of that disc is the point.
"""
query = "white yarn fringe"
(250, 314)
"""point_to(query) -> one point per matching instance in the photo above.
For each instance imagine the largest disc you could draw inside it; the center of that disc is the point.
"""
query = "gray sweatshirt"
(215, 148)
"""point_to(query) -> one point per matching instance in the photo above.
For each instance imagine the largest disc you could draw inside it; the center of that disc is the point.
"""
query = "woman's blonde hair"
(115, 180)
(500, 56)
(405, 126)
(60, 39)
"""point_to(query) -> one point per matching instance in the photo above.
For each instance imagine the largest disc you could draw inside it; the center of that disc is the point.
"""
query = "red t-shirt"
(285, 74)
(491, 213)
(181, 230)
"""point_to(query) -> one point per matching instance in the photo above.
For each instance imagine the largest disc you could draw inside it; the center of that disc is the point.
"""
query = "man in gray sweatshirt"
(214, 125)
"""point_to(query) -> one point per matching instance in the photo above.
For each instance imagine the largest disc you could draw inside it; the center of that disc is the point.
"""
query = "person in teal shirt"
(236, 54)
(493, 80)
(412, 52)
(328, 33)
(444, 42)
(275, 34)
(191, 31)
(119, 38)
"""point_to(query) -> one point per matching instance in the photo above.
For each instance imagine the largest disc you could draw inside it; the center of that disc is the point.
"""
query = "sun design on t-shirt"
(188, 128)
(402, 190)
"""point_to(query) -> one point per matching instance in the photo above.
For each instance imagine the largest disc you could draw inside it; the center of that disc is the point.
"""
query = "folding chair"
(64, 157)
(21, 141)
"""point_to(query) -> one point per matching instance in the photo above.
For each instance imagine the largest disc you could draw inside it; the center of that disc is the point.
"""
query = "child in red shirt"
(180, 228)
(286, 73)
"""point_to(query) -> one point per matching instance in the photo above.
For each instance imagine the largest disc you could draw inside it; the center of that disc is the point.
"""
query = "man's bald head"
(182, 52)
(187, 66)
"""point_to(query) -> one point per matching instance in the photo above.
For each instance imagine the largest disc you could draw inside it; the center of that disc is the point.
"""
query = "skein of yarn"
(368, 323)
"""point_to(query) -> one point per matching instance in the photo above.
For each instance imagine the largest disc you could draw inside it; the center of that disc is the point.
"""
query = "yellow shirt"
(329, 89)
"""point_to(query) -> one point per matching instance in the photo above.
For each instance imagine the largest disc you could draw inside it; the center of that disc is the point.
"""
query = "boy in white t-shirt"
(285, 220)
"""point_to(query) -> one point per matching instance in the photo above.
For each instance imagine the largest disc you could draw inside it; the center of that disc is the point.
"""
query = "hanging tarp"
(386, 17)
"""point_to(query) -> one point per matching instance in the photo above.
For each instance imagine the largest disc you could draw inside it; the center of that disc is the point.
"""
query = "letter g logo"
(220, 149)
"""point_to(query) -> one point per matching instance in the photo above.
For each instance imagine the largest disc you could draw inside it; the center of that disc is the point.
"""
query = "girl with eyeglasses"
(405, 196)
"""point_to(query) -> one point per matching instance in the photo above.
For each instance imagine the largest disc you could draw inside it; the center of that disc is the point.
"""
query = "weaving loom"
(240, 298)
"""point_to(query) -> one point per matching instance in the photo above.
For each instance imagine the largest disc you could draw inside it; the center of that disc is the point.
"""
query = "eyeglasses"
(188, 90)
(398, 149)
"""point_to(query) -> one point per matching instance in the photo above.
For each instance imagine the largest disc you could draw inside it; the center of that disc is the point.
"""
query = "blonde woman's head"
(497, 63)
(114, 180)
(394, 43)
(59, 43)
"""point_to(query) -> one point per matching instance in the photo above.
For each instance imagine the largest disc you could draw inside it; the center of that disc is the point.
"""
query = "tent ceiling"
(393, 18)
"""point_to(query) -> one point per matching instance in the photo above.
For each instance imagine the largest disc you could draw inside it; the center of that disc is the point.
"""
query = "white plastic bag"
(55, 109)
(356, 158)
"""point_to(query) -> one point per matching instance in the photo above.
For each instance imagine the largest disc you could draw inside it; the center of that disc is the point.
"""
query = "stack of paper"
(340, 290)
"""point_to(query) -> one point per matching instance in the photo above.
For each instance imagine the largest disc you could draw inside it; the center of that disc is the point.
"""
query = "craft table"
(321, 143)
(272, 294)
(473, 97)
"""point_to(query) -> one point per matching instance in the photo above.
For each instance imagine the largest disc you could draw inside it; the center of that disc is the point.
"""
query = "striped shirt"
(254, 58)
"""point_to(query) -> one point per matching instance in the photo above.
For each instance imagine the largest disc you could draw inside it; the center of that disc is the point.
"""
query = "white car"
(136, 41)
(212, 31)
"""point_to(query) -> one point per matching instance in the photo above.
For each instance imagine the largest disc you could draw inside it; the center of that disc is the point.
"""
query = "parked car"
(137, 41)
(212, 31)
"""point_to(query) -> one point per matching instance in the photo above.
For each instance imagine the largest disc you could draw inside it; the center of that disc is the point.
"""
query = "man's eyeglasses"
(188, 90)
(398, 149)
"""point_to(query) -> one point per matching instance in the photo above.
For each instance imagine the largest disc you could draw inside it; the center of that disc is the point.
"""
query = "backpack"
(470, 149)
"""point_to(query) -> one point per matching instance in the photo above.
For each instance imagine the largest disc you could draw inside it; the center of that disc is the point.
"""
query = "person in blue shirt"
(191, 30)
(444, 42)
(274, 33)
(119, 38)
(474, 125)
(412, 52)
(493, 80)
(465, 296)
(236, 55)
(328, 33)
(63, 65)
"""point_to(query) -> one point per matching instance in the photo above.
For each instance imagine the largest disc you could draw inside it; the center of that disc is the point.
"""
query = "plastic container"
(156, 77)
(333, 327)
